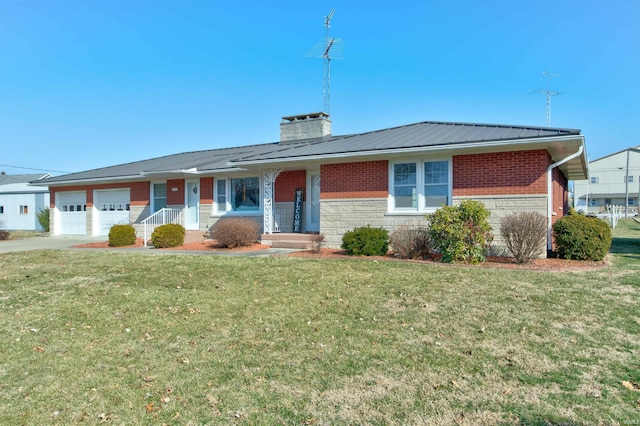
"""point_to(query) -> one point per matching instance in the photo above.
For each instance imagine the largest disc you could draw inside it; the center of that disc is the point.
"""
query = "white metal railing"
(161, 217)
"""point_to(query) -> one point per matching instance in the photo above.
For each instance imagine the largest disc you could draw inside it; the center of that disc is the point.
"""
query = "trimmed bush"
(461, 233)
(366, 241)
(235, 232)
(43, 219)
(525, 234)
(411, 241)
(169, 235)
(582, 237)
(317, 241)
(122, 235)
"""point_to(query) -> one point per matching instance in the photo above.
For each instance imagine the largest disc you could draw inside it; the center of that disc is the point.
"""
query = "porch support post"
(268, 183)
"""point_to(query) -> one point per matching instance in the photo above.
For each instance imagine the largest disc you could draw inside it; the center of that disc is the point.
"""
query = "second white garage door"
(112, 209)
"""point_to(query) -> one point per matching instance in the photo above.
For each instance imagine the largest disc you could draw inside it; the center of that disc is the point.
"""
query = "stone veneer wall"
(341, 215)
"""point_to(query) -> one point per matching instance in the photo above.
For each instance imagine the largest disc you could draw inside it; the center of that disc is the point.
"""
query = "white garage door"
(72, 208)
(112, 209)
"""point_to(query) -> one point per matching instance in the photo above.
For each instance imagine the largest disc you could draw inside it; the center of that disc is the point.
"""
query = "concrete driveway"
(44, 243)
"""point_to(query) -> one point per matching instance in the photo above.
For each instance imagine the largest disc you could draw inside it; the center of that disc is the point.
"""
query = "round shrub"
(122, 235)
(582, 237)
(366, 242)
(411, 241)
(169, 235)
(461, 233)
(235, 232)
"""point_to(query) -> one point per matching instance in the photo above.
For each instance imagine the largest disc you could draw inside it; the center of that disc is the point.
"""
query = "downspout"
(550, 192)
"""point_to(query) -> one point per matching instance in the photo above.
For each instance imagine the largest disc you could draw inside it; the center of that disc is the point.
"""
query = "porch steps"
(193, 237)
(287, 240)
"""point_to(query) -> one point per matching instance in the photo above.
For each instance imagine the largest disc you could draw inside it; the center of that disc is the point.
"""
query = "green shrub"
(411, 241)
(122, 235)
(525, 234)
(582, 237)
(366, 242)
(43, 219)
(461, 233)
(169, 235)
(235, 232)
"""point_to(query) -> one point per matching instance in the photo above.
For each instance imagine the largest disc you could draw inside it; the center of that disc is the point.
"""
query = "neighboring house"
(20, 202)
(613, 180)
(381, 178)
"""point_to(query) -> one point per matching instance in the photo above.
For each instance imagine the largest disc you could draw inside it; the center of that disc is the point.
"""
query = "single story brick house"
(380, 178)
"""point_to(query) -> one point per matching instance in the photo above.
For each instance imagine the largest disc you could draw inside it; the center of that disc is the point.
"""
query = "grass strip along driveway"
(121, 338)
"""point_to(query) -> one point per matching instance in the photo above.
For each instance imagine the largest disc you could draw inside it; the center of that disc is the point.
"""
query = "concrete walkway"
(67, 243)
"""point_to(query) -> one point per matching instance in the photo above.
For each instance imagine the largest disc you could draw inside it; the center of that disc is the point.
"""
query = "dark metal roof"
(425, 134)
(420, 135)
(201, 161)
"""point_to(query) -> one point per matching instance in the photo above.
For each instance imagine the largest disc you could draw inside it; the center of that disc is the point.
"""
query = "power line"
(36, 170)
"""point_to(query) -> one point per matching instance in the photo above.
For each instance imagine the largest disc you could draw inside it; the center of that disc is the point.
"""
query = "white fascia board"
(90, 180)
(482, 146)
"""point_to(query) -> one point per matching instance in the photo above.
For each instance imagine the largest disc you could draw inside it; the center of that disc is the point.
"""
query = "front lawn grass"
(120, 338)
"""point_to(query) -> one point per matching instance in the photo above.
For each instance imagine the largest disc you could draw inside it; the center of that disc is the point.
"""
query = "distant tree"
(43, 219)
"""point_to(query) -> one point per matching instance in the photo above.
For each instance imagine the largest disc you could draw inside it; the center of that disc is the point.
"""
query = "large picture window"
(419, 186)
(237, 195)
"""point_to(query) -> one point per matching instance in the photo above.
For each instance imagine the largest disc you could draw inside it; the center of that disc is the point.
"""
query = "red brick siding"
(206, 190)
(500, 173)
(560, 195)
(175, 197)
(368, 179)
(139, 192)
(286, 184)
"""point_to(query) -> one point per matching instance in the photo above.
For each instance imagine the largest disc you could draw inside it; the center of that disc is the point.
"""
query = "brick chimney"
(304, 126)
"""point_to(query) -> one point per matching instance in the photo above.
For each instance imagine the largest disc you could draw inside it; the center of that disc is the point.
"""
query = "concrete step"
(193, 237)
(289, 240)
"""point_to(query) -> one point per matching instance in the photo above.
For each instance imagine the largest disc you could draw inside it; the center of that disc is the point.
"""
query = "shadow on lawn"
(629, 246)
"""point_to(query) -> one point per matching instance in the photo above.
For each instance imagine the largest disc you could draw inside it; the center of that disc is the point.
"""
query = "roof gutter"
(550, 191)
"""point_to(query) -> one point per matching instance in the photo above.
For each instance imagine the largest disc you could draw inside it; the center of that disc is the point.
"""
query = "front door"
(313, 201)
(192, 206)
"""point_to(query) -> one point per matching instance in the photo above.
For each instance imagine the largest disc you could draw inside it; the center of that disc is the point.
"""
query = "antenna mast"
(328, 42)
(548, 93)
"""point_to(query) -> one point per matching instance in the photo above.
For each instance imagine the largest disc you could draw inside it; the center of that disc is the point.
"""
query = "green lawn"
(118, 338)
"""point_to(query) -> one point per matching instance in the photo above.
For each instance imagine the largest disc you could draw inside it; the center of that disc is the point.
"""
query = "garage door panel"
(72, 208)
(112, 209)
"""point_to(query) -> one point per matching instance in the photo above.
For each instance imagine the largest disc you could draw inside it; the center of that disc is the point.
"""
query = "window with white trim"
(631, 201)
(593, 179)
(24, 209)
(593, 202)
(629, 178)
(240, 194)
(1, 209)
(419, 185)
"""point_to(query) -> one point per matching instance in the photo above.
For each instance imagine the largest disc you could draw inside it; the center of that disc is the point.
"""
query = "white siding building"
(613, 180)
(20, 202)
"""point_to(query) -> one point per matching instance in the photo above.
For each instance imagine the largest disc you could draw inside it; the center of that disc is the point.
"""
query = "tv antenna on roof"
(329, 48)
(548, 93)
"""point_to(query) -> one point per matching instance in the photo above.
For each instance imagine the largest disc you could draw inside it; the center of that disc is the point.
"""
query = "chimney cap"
(310, 116)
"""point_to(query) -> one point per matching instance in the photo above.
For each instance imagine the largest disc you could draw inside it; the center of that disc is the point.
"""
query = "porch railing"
(161, 217)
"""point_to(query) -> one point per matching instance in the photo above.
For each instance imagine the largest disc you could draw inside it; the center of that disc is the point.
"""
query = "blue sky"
(88, 84)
